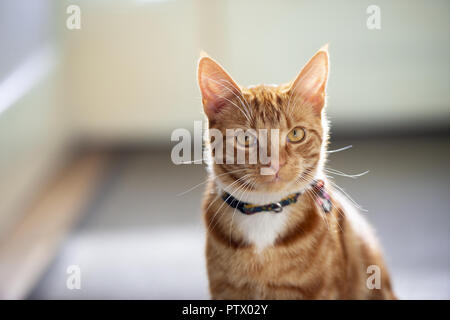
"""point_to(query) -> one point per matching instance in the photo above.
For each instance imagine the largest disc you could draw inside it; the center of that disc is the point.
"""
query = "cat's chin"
(275, 184)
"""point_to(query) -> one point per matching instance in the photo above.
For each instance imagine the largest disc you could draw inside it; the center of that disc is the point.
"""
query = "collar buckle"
(277, 207)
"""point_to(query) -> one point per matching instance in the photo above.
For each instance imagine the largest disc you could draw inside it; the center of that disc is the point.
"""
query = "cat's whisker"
(218, 210)
(242, 194)
(239, 189)
(211, 177)
(316, 195)
(343, 191)
(357, 205)
(313, 194)
(230, 195)
(302, 178)
(343, 174)
(243, 101)
(192, 161)
(247, 116)
(340, 149)
(263, 239)
(339, 211)
(217, 197)
(230, 85)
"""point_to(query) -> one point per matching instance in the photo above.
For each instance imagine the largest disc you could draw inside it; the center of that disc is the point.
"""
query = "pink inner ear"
(310, 84)
(313, 86)
(215, 97)
(214, 102)
(217, 87)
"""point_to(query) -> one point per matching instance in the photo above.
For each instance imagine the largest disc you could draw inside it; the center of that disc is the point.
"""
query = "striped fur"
(300, 253)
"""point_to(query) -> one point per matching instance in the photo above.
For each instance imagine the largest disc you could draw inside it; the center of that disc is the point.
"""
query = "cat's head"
(296, 109)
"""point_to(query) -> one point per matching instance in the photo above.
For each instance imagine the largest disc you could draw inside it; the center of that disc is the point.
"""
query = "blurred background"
(86, 116)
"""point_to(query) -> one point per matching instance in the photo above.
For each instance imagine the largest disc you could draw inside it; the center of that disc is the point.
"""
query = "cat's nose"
(277, 165)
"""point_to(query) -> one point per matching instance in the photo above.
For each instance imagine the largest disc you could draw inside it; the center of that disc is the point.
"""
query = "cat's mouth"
(282, 180)
(275, 181)
(276, 178)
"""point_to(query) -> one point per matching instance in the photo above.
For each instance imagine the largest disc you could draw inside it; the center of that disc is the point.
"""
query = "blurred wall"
(132, 69)
(132, 65)
(129, 74)
(34, 131)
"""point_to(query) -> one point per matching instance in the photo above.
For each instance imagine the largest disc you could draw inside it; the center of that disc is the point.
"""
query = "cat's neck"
(264, 229)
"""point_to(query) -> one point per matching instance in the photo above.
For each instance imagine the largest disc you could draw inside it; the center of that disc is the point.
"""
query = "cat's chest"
(262, 229)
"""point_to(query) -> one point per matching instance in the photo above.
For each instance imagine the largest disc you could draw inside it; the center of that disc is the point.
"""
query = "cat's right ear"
(217, 87)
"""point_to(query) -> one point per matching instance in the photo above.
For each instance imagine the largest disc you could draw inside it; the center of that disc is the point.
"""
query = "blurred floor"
(140, 240)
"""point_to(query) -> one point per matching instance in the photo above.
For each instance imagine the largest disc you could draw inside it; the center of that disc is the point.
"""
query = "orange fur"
(313, 255)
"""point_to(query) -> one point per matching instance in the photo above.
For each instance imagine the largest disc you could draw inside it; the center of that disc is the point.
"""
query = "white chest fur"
(262, 229)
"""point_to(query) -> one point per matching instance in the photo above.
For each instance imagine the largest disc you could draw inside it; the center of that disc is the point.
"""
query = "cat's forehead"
(267, 103)
(265, 106)
(262, 89)
(264, 94)
(256, 86)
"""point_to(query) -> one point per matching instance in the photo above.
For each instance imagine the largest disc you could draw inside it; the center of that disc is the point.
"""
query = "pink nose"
(276, 166)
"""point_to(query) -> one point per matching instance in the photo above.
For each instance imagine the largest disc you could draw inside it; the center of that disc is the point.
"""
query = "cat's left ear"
(310, 85)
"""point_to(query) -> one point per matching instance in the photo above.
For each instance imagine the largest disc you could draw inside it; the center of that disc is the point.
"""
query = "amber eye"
(296, 135)
(246, 140)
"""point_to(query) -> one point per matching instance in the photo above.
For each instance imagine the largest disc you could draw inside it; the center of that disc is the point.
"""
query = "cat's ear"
(310, 84)
(216, 86)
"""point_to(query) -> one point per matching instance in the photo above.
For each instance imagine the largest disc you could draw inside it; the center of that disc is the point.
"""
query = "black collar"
(322, 198)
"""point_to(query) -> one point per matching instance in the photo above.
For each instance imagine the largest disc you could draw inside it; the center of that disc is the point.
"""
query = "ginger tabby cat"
(313, 247)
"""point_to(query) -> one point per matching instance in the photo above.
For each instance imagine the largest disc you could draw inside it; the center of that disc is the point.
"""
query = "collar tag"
(277, 207)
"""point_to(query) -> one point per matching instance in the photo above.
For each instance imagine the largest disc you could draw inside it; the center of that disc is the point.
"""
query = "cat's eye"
(246, 140)
(296, 135)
